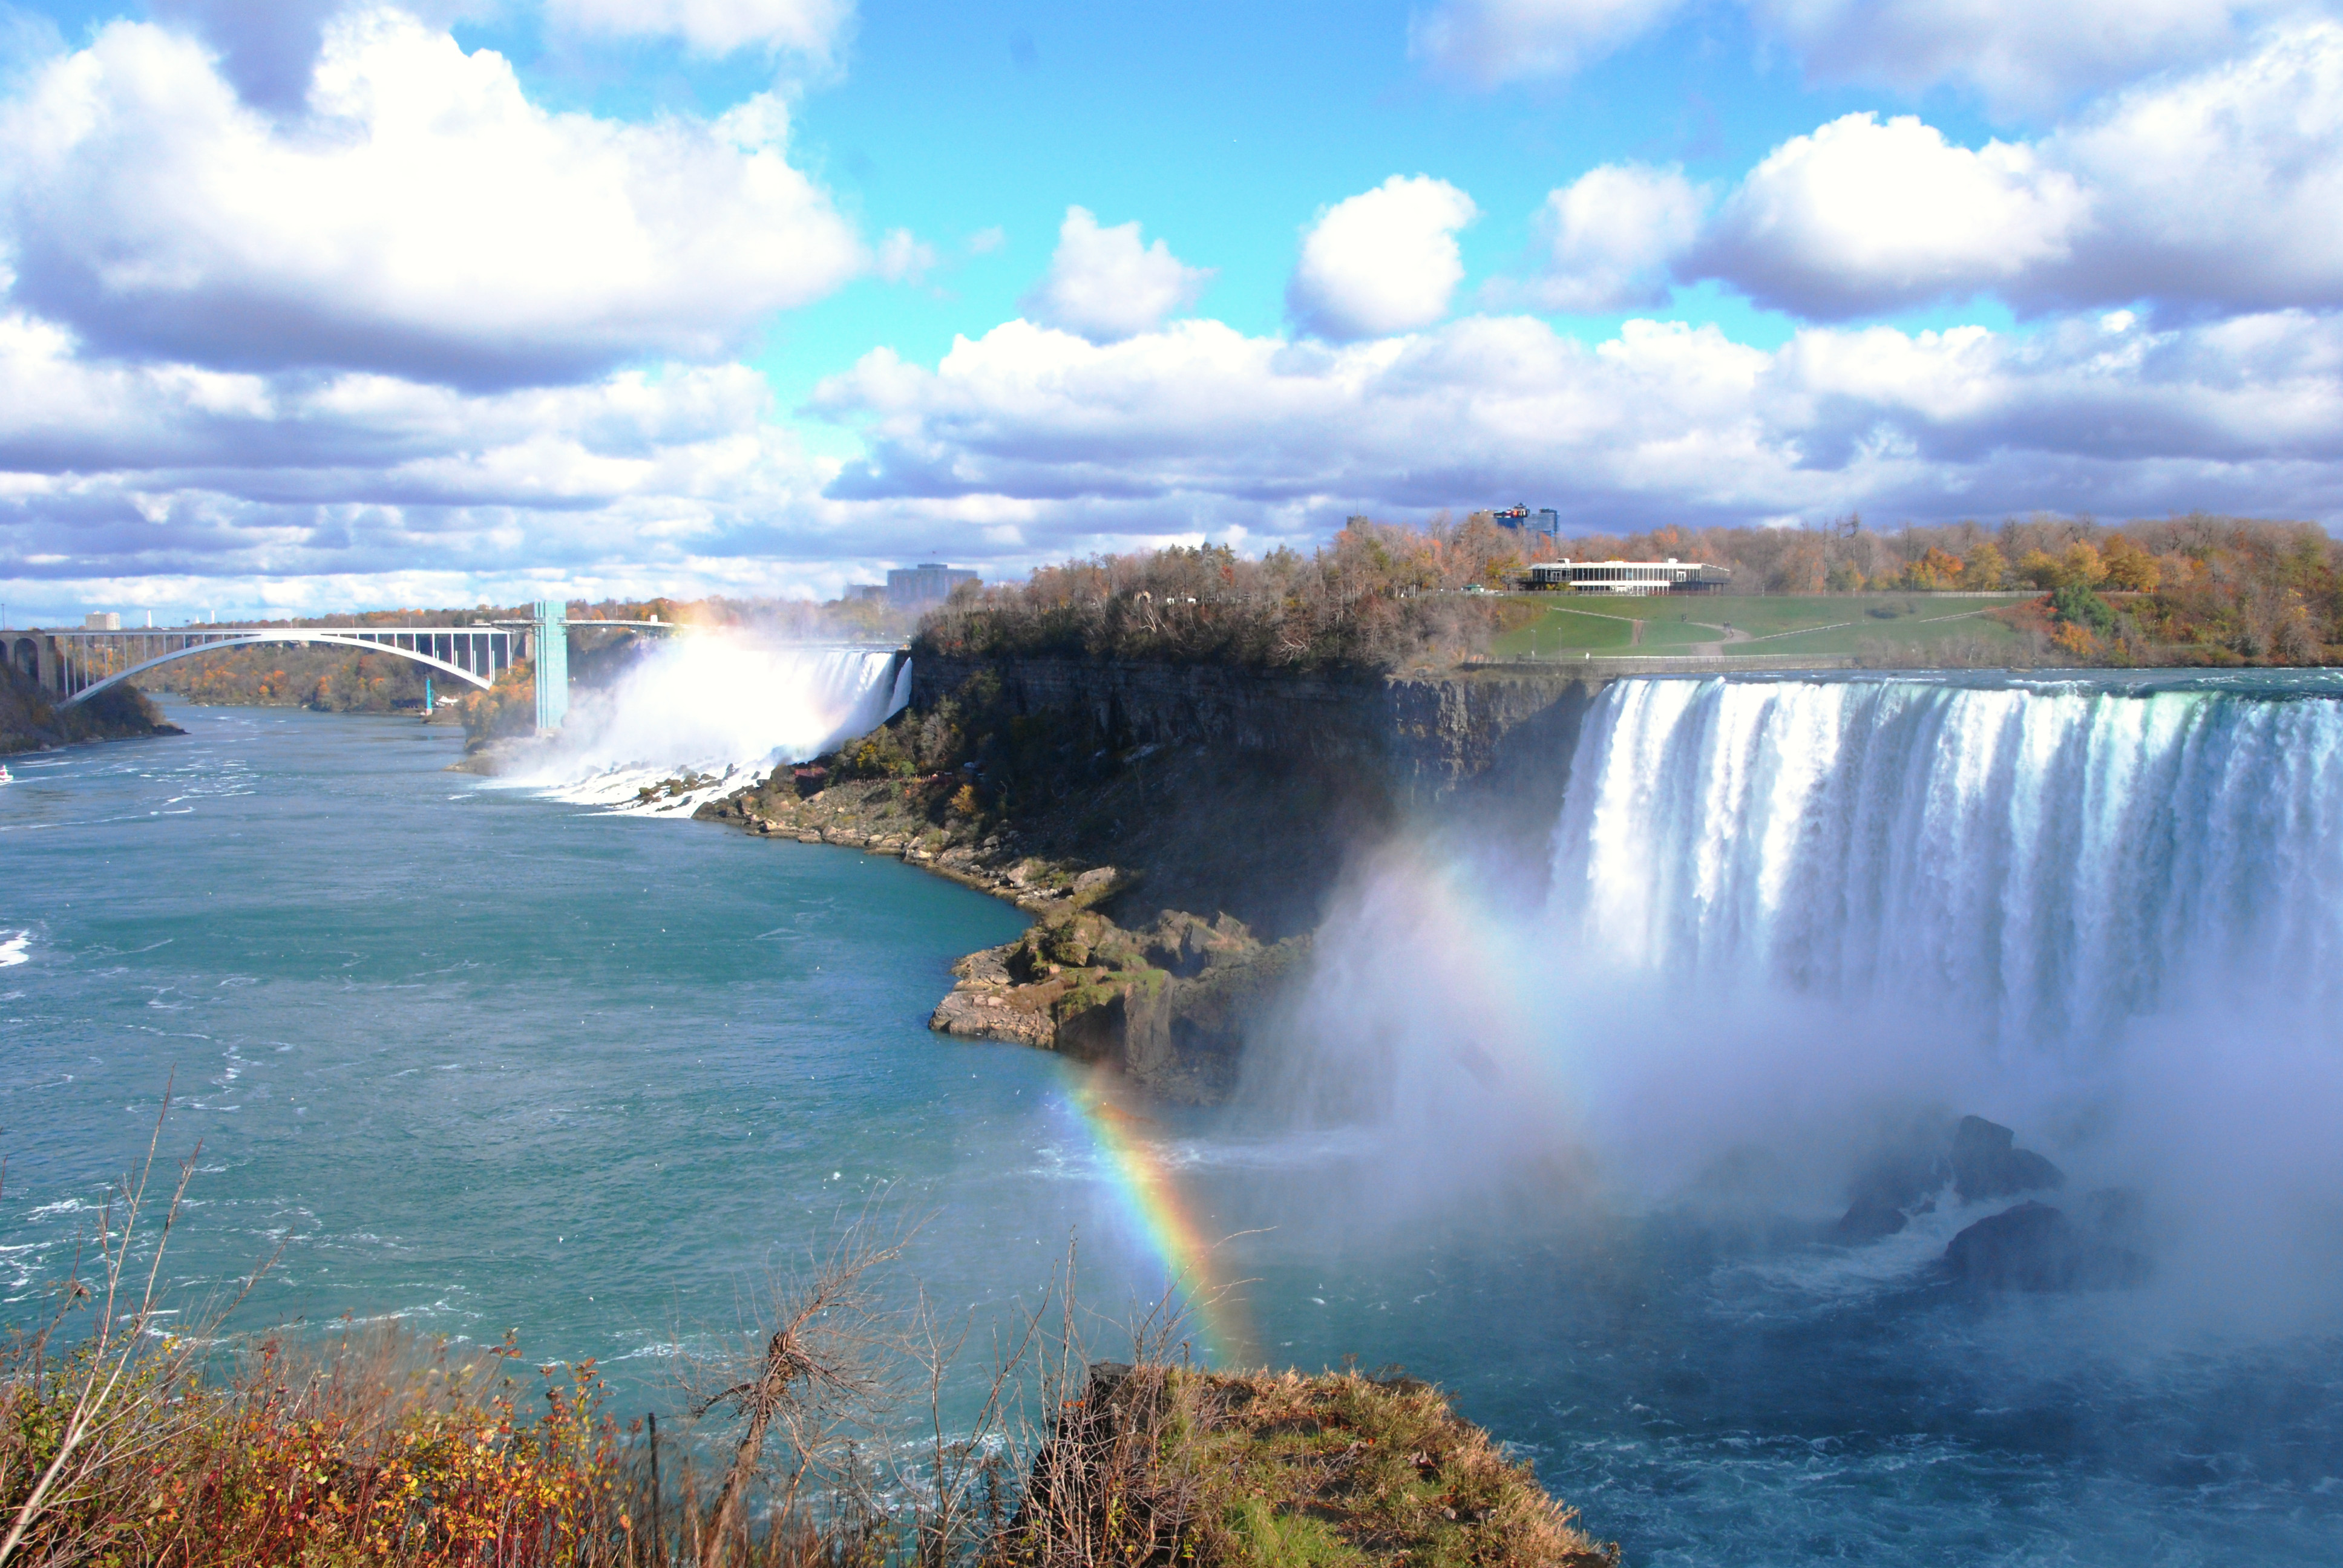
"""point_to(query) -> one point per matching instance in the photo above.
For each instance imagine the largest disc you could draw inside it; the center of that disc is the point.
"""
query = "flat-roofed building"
(929, 582)
(1670, 576)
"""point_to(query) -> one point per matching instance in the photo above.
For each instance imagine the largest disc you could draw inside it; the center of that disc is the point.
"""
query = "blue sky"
(314, 303)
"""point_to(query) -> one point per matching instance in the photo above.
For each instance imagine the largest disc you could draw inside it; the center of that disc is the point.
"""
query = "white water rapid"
(718, 705)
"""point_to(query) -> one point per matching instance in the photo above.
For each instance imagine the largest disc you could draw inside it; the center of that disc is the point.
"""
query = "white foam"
(13, 950)
(719, 707)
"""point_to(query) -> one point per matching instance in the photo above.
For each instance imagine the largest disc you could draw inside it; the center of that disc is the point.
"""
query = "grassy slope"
(1171, 1465)
(1342, 1469)
(1834, 624)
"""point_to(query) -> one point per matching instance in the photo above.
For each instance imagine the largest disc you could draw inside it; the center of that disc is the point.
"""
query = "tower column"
(552, 663)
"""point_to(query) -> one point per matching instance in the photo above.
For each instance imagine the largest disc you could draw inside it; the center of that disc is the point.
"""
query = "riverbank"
(29, 722)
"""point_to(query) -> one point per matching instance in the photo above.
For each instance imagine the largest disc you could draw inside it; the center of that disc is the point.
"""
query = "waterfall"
(725, 708)
(2042, 863)
(1786, 916)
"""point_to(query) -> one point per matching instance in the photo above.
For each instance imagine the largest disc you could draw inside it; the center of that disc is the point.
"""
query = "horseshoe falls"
(2042, 862)
(1782, 924)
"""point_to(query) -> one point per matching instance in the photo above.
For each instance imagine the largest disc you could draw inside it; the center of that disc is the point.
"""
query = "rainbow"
(1161, 1216)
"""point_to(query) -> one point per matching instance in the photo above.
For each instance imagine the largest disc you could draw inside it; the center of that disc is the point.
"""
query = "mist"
(1784, 925)
(723, 704)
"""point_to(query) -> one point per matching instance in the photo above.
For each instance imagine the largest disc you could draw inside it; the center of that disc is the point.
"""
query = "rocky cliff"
(1131, 807)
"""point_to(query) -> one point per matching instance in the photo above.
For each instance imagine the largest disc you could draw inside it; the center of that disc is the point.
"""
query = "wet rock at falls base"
(1870, 1217)
(2034, 1246)
(1979, 1158)
(1985, 1164)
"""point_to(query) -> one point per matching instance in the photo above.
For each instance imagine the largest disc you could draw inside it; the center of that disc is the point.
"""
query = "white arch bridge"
(74, 666)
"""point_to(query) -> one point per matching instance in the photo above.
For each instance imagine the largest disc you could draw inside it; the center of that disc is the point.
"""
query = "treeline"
(2141, 592)
(331, 679)
(288, 675)
(1380, 596)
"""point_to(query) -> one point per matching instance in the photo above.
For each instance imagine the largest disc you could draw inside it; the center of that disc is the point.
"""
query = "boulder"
(1097, 885)
(1986, 1165)
(1977, 1158)
(1869, 1217)
(2034, 1246)
(979, 1012)
(1186, 945)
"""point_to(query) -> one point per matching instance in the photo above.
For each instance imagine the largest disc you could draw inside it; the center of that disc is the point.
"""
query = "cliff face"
(1137, 805)
(1421, 739)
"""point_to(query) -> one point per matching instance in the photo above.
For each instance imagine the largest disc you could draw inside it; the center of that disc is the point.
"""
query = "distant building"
(865, 591)
(1670, 576)
(102, 620)
(929, 582)
(1544, 520)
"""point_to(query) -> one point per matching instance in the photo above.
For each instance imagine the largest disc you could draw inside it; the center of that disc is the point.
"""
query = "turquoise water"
(480, 1060)
(491, 1062)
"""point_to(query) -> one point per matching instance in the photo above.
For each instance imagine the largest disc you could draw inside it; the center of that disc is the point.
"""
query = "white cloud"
(2219, 191)
(2222, 189)
(1103, 283)
(904, 258)
(128, 484)
(813, 28)
(2021, 54)
(1862, 217)
(428, 221)
(1486, 42)
(1605, 241)
(1663, 423)
(1381, 261)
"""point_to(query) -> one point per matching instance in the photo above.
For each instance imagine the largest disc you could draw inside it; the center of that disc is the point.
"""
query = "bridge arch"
(25, 655)
(255, 639)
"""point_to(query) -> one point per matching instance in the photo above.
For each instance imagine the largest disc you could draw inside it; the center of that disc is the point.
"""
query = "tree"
(2041, 569)
(2129, 569)
(1985, 568)
(2082, 565)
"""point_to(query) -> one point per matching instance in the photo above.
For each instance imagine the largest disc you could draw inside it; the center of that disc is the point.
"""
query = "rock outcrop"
(1169, 1006)
(1987, 1163)
(2034, 1246)
(1978, 1159)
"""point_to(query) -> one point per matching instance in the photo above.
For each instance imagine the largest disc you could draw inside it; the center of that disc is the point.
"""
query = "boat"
(5, 777)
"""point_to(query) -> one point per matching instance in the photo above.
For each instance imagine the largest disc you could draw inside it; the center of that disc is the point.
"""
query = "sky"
(314, 305)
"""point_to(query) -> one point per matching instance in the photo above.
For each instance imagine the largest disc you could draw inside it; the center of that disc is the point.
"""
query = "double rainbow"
(1165, 1220)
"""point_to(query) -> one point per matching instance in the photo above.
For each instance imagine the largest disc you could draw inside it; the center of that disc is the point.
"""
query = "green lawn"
(1833, 624)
